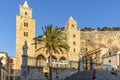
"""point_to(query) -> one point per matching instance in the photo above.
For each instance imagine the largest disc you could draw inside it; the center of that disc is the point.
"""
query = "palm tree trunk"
(50, 67)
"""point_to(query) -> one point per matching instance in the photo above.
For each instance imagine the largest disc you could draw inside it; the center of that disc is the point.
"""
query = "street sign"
(55, 61)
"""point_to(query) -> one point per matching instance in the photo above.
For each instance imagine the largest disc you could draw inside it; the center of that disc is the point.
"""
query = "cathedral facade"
(25, 31)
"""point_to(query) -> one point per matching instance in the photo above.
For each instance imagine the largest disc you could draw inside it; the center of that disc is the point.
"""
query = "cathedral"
(85, 43)
(25, 31)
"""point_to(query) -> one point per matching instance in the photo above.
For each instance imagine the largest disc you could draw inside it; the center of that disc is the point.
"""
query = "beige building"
(3, 66)
(112, 58)
(5, 58)
(3, 74)
(8, 66)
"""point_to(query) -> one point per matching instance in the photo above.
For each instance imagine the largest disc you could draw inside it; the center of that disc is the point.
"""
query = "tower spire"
(71, 18)
(26, 4)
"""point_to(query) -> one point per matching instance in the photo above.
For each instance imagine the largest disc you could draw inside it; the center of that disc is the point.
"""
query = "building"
(8, 66)
(3, 73)
(112, 58)
(5, 58)
(25, 31)
(3, 66)
(11, 68)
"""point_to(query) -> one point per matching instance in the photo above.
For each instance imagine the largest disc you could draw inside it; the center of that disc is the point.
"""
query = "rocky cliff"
(91, 40)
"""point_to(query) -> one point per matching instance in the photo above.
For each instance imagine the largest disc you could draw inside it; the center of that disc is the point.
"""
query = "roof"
(4, 53)
(26, 4)
(91, 52)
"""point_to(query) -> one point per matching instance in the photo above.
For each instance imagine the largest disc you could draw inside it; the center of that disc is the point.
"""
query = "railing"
(32, 61)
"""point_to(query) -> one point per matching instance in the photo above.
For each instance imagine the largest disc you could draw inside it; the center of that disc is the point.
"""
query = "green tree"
(54, 41)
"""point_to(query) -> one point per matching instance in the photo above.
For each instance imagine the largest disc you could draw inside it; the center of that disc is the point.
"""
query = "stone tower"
(73, 39)
(25, 31)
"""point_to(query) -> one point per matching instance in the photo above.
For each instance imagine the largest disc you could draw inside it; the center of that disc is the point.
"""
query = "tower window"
(74, 43)
(25, 24)
(25, 13)
(26, 34)
(109, 61)
(74, 50)
(73, 26)
(74, 35)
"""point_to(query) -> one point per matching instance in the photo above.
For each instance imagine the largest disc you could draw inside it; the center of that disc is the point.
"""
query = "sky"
(91, 13)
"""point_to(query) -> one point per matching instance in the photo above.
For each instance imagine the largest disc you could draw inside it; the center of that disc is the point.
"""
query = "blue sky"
(92, 13)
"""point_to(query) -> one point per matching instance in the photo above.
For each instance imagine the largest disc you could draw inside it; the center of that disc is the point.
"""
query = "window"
(74, 50)
(74, 35)
(74, 43)
(26, 34)
(109, 53)
(72, 25)
(25, 13)
(109, 61)
(25, 24)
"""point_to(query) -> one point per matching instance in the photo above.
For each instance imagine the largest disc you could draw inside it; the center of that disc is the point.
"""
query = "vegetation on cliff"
(101, 29)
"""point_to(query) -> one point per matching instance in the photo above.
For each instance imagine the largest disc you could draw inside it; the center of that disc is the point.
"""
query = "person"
(94, 75)
(114, 72)
(57, 78)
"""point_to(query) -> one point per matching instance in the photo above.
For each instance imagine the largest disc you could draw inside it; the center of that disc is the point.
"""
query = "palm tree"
(54, 41)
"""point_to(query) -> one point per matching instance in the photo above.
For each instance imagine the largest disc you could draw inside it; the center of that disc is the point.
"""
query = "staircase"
(100, 75)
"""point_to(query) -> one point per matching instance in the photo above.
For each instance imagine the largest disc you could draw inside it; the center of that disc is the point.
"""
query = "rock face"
(91, 40)
(100, 75)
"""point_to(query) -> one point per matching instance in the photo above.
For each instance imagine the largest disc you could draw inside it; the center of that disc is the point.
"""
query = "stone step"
(100, 75)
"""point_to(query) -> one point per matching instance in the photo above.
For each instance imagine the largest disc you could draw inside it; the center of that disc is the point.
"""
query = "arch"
(62, 58)
(63, 65)
(40, 56)
(53, 57)
(40, 60)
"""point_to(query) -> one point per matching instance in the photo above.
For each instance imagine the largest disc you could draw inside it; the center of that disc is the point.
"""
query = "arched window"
(74, 35)
(25, 24)
(41, 61)
(74, 50)
(26, 34)
(73, 25)
(25, 13)
(74, 43)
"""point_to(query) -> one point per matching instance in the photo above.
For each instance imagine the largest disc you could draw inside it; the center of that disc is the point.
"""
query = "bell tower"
(73, 39)
(71, 24)
(25, 32)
